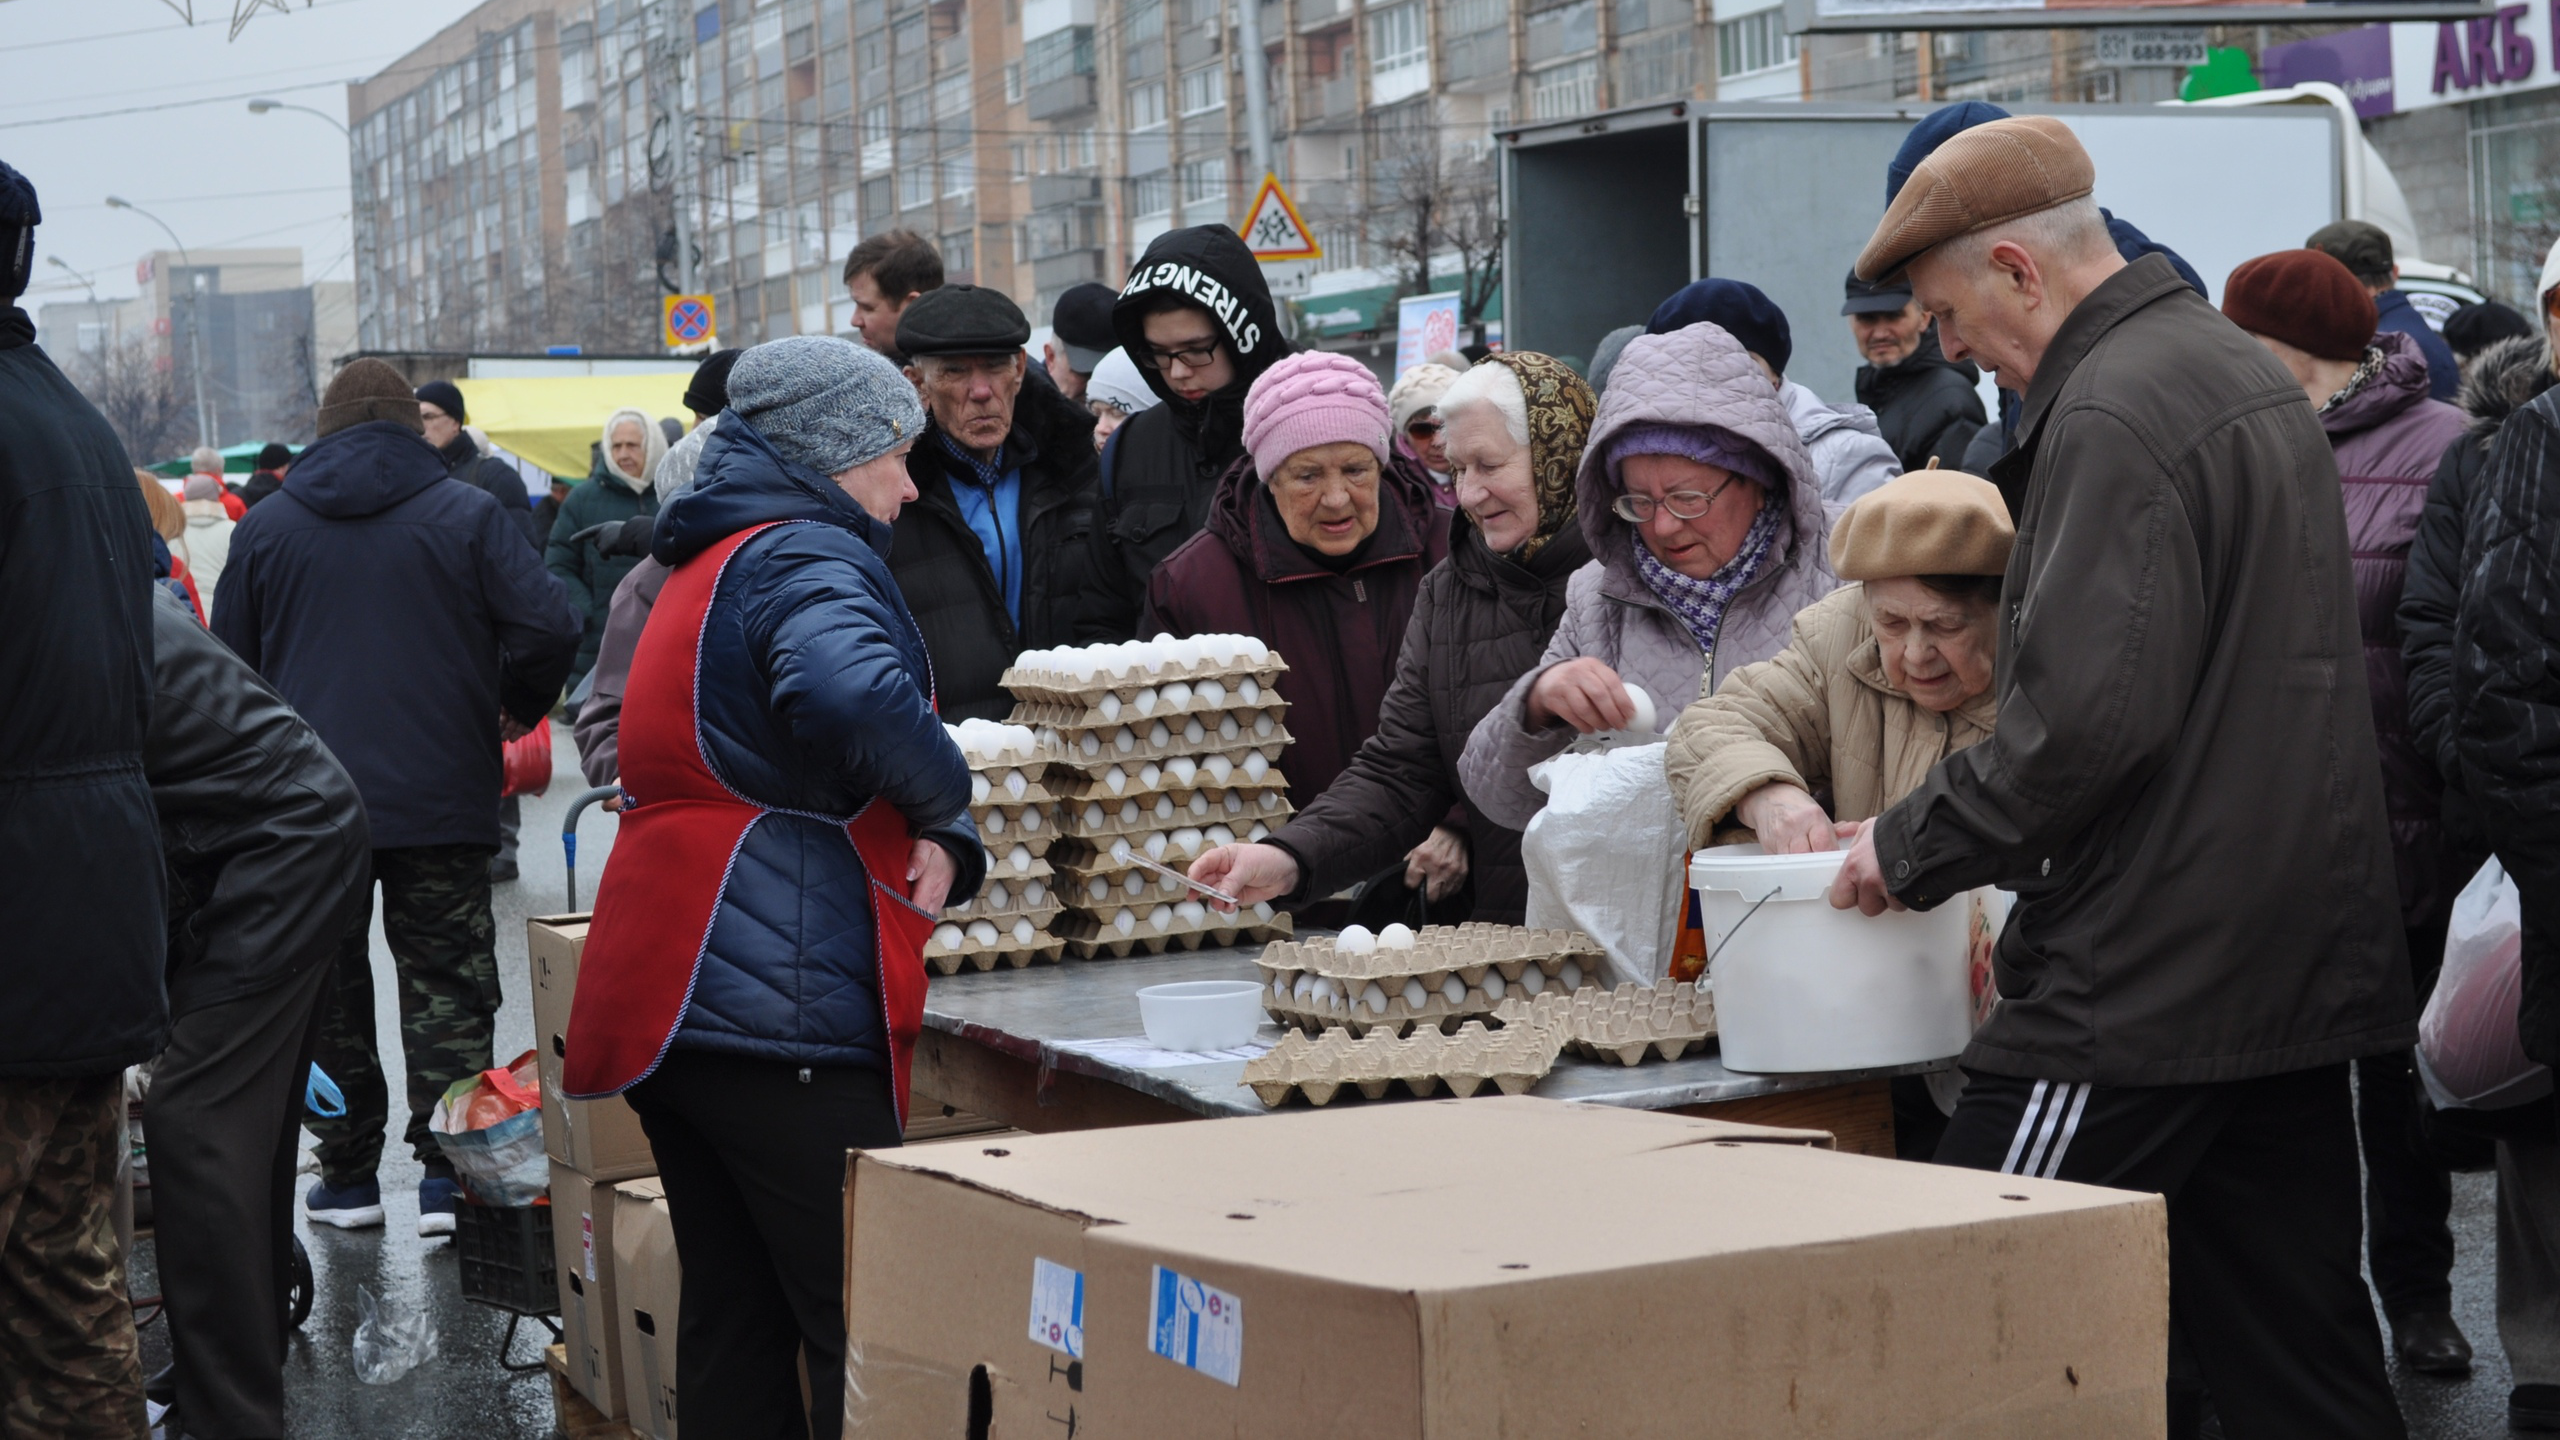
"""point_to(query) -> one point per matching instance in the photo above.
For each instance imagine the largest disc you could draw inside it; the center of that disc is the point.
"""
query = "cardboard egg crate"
(1119, 931)
(1082, 677)
(1183, 764)
(948, 959)
(1106, 817)
(1036, 898)
(1241, 694)
(1017, 862)
(1001, 827)
(1624, 1026)
(1110, 855)
(1334, 1064)
(1447, 974)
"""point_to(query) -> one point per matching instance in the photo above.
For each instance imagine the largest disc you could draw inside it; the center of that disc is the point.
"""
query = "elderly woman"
(754, 977)
(1317, 542)
(619, 489)
(1706, 524)
(1515, 427)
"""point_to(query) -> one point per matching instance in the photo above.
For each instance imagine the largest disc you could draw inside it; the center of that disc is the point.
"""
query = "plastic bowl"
(1201, 1014)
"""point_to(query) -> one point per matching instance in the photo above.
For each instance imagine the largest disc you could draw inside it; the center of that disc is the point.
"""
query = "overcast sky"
(188, 149)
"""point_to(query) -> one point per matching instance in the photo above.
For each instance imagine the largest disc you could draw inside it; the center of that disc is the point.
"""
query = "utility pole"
(205, 434)
(1257, 85)
(670, 108)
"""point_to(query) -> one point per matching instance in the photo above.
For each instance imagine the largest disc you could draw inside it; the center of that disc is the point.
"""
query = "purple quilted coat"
(2389, 436)
(1695, 376)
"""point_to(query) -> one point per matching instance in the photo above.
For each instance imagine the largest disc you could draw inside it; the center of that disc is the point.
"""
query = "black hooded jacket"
(1926, 405)
(464, 462)
(1163, 466)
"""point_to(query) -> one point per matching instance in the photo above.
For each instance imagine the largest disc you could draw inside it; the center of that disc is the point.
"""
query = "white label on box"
(1057, 1307)
(1196, 1325)
(587, 1241)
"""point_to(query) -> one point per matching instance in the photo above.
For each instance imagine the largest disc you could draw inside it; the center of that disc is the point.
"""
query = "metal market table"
(1059, 1047)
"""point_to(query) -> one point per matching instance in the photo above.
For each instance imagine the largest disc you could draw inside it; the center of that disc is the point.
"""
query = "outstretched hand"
(1251, 873)
(1860, 883)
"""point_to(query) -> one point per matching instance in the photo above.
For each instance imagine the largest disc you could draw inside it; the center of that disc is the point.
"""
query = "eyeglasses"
(1683, 504)
(1190, 357)
(1425, 429)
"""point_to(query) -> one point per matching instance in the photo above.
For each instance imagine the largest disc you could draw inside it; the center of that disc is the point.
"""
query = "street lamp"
(58, 263)
(363, 195)
(261, 107)
(195, 317)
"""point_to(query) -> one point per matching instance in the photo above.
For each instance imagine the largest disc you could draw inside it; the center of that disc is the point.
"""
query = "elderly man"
(2183, 786)
(996, 554)
(1925, 403)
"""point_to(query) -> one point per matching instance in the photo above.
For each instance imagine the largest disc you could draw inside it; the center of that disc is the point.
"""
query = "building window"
(1146, 106)
(1559, 91)
(1013, 83)
(1204, 89)
(951, 96)
(1566, 30)
(875, 138)
(1151, 194)
(959, 175)
(1399, 53)
(1021, 162)
(1204, 190)
(957, 252)
(915, 186)
(1754, 43)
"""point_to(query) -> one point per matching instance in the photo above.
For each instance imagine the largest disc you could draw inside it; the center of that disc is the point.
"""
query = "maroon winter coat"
(1339, 633)
(2389, 437)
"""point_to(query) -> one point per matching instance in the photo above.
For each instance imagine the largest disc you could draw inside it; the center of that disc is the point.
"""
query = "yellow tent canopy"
(552, 419)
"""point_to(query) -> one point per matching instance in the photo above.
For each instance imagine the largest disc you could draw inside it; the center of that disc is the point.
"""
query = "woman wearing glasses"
(1708, 528)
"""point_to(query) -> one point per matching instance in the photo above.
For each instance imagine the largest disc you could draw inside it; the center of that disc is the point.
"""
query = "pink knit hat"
(1313, 398)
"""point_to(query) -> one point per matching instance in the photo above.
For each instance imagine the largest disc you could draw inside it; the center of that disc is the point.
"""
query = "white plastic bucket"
(1800, 986)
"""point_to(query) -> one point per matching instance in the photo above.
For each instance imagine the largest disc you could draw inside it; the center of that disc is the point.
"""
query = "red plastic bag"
(528, 762)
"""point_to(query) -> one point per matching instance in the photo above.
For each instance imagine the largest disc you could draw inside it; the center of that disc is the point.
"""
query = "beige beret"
(1979, 178)
(1928, 522)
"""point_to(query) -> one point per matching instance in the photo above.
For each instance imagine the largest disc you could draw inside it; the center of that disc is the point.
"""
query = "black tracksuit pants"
(751, 1154)
(2265, 1296)
(2408, 1195)
(225, 1106)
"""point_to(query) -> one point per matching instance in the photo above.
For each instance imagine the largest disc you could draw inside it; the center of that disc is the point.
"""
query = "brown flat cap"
(368, 389)
(1927, 522)
(1979, 178)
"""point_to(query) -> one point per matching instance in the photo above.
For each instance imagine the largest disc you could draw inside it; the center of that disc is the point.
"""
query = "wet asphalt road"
(465, 1392)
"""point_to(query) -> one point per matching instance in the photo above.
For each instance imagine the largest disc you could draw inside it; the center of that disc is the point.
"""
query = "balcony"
(1048, 192)
(1075, 267)
(1053, 99)
(1335, 99)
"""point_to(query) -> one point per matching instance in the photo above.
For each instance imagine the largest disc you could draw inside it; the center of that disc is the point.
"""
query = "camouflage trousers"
(67, 1349)
(435, 913)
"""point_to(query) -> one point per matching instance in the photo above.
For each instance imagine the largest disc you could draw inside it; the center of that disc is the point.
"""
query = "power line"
(142, 30)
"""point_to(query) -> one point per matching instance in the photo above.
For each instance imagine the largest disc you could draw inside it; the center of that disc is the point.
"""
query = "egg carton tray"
(1017, 862)
(1080, 858)
(1314, 1002)
(1093, 938)
(1002, 826)
(1013, 784)
(1104, 818)
(1174, 735)
(1468, 951)
(1248, 766)
(1004, 895)
(1048, 949)
(1013, 907)
(1210, 697)
(1334, 1065)
(1624, 1026)
(1123, 670)
(1130, 887)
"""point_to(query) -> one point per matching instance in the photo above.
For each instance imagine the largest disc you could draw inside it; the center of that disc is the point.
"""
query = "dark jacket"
(2388, 437)
(2393, 311)
(80, 991)
(1926, 405)
(260, 827)
(1165, 464)
(952, 591)
(1480, 621)
(398, 610)
(1339, 632)
(2503, 378)
(585, 569)
(464, 462)
(260, 485)
(812, 693)
(2184, 789)
(2506, 690)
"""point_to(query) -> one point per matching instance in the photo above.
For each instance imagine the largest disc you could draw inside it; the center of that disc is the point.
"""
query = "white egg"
(1115, 780)
(1158, 736)
(1270, 800)
(1184, 770)
(1015, 784)
(1210, 693)
(1262, 910)
(1124, 740)
(1186, 841)
(1642, 724)
(1570, 975)
(1134, 882)
(1249, 690)
(1228, 729)
(1024, 931)
(1176, 696)
(1034, 893)
(1192, 733)
(1280, 990)
(995, 822)
(1098, 888)
(982, 931)
(1192, 913)
(1150, 775)
(1199, 804)
(1160, 919)
(1355, 940)
(1374, 997)
(979, 790)
(1454, 990)
(996, 898)
(1398, 936)
(1129, 812)
(1030, 821)
(1163, 807)
(1144, 702)
(1493, 984)
(1126, 922)
(1533, 981)
(1415, 997)
(1020, 859)
(1218, 768)
(1219, 835)
(1089, 744)
(1110, 707)
(1234, 803)
(1326, 990)
(1259, 832)
(948, 937)
(1302, 987)
(1263, 726)
(1155, 845)
(1120, 849)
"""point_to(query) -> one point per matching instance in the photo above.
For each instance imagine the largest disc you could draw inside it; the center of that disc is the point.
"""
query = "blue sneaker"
(349, 1207)
(437, 1197)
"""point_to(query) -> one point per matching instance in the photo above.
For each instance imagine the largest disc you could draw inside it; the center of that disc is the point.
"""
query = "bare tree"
(133, 385)
(1428, 200)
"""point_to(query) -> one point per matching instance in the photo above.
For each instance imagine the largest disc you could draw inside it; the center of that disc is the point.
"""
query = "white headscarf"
(651, 436)
(1117, 381)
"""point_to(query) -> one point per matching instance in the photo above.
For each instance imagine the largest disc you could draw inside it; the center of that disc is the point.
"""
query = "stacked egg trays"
(1334, 1064)
(1010, 923)
(1623, 1026)
(1398, 980)
(1158, 748)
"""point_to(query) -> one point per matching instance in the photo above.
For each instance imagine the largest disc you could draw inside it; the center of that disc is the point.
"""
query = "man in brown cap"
(2183, 787)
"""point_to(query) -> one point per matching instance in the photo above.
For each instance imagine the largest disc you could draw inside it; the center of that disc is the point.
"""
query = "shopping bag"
(1603, 857)
(489, 1127)
(528, 759)
(2470, 1055)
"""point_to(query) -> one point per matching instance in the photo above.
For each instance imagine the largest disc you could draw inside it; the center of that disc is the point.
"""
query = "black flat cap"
(2360, 245)
(1882, 298)
(1082, 322)
(962, 320)
(707, 393)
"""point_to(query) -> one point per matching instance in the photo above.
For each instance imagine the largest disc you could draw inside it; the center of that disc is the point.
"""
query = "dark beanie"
(2305, 298)
(368, 389)
(962, 320)
(708, 392)
(274, 455)
(1740, 308)
(2471, 329)
(19, 217)
(447, 397)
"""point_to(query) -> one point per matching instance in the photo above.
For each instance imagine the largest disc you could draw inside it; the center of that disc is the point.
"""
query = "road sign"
(1274, 229)
(688, 320)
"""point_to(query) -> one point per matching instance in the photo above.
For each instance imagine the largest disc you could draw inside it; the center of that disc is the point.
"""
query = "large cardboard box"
(590, 1327)
(1491, 1267)
(648, 1285)
(600, 1139)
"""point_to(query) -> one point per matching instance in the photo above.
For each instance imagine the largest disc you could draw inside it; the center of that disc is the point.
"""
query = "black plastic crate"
(507, 1259)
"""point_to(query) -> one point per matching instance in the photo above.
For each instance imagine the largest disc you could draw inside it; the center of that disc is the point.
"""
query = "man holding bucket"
(2183, 786)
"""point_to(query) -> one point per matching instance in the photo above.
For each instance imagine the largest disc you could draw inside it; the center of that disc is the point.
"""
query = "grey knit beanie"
(824, 402)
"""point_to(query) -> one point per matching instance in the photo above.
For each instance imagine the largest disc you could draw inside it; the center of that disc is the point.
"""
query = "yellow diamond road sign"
(1275, 230)
(688, 320)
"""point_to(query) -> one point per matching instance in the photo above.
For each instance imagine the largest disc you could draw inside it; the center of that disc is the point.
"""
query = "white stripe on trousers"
(2051, 1118)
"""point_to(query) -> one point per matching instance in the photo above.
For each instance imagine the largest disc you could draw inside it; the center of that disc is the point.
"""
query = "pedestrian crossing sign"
(688, 321)
(1274, 230)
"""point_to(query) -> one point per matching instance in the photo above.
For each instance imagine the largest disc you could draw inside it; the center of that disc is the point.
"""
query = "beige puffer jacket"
(1820, 715)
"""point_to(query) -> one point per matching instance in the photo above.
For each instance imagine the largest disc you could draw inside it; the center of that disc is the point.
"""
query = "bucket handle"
(1745, 920)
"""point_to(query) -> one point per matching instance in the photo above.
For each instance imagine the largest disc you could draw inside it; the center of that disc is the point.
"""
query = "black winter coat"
(1926, 405)
(464, 462)
(588, 573)
(398, 610)
(2506, 689)
(260, 827)
(80, 909)
(950, 588)
(1480, 622)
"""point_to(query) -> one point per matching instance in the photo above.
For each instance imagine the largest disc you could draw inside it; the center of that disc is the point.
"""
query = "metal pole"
(195, 315)
(1257, 84)
(361, 184)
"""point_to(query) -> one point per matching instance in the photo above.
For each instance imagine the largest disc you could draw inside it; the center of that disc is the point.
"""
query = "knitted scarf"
(1700, 604)
(1560, 406)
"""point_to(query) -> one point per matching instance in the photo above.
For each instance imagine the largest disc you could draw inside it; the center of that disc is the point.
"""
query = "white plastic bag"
(2469, 1051)
(1605, 856)
(391, 1339)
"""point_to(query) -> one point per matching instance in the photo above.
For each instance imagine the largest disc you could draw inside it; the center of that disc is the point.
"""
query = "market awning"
(237, 459)
(1372, 308)
(551, 420)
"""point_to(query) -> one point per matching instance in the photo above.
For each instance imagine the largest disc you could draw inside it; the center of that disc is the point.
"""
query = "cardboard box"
(600, 1139)
(1491, 1267)
(648, 1285)
(590, 1330)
